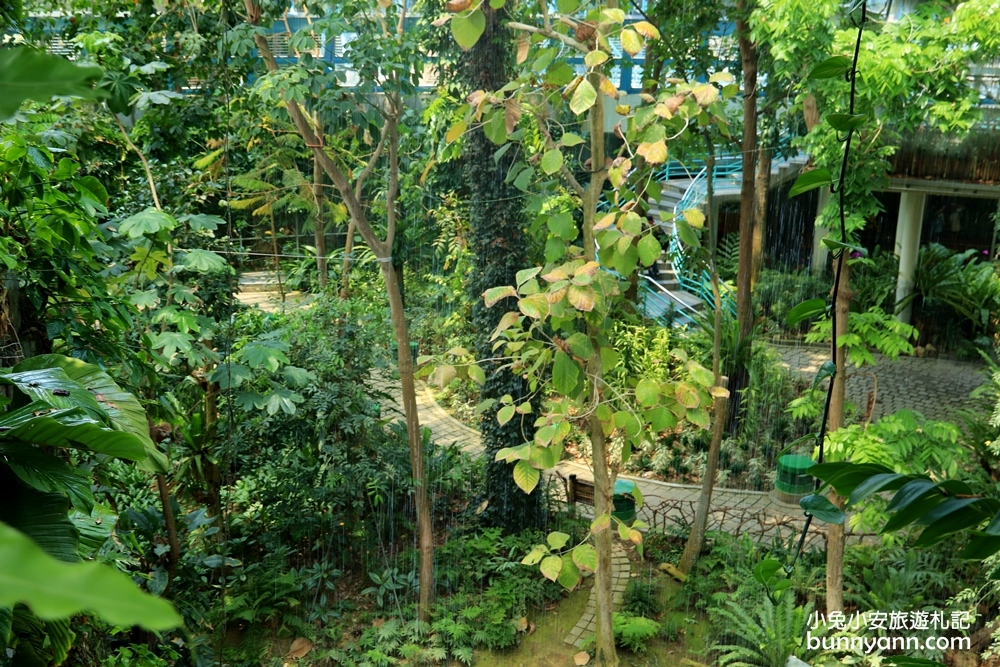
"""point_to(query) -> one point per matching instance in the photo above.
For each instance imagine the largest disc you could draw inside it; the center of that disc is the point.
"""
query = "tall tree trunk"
(762, 185)
(382, 249)
(320, 223)
(345, 274)
(739, 373)
(500, 247)
(696, 540)
(835, 420)
(605, 654)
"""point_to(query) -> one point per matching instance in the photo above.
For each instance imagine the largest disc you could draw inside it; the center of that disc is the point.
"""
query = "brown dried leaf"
(581, 658)
(522, 49)
(512, 114)
(455, 6)
(299, 648)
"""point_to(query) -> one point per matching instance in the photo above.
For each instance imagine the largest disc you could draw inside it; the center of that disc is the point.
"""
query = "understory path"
(934, 387)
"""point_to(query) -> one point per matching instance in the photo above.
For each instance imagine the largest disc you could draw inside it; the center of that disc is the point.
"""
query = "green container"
(414, 349)
(792, 476)
(624, 502)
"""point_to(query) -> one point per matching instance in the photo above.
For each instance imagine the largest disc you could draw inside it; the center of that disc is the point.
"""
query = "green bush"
(642, 597)
(634, 632)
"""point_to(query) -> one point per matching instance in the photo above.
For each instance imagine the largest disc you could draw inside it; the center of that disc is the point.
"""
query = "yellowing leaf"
(526, 477)
(694, 217)
(456, 131)
(705, 94)
(631, 41)
(494, 294)
(535, 306)
(582, 298)
(551, 567)
(604, 222)
(595, 58)
(655, 152)
(583, 97)
(608, 88)
(646, 29)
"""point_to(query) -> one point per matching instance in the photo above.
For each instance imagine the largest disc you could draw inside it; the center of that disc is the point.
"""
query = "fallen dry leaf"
(581, 658)
(299, 648)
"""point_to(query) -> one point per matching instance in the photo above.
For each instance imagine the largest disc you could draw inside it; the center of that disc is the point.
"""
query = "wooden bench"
(579, 491)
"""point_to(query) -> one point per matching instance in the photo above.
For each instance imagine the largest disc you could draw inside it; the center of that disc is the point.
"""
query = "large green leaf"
(40, 516)
(94, 528)
(124, 409)
(468, 27)
(40, 424)
(55, 590)
(39, 643)
(149, 221)
(27, 74)
(44, 472)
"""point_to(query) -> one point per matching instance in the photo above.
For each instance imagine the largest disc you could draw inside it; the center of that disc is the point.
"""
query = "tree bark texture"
(835, 421)
(762, 185)
(739, 373)
(501, 248)
(382, 249)
(320, 223)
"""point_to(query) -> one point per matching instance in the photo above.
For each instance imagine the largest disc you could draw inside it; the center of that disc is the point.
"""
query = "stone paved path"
(936, 388)
(621, 570)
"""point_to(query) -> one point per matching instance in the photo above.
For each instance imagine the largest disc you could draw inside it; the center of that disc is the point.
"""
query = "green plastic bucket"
(624, 502)
(792, 476)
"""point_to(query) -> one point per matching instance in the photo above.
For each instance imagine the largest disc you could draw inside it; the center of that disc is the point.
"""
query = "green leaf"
(477, 374)
(149, 221)
(876, 484)
(526, 476)
(837, 246)
(583, 97)
(505, 414)
(566, 374)
(283, 400)
(552, 160)
(56, 590)
(831, 67)
(557, 540)
(845, 122)
(649, 250)
(949, 517)
(661, 419)
(585, 557)
(805, 310)
(569, 574)
(94, 528)
(203, 261)
(570, 139)
(687, 235)
(647, 392)
(827, 370)
(535, 306)
(29, 74)
(551, 567)
(699, 373)
(845, 477)
(535, 555)
(810, 180)
(766, 570)
(264, 355)
(494, 294)
(230, 375)
(580, 345)
(563, 226)
(468, 27)
(567, 6)
(820, 507)
(72, 428)
(687, 395)
(981, 546)
(46, 473)
(41, 517)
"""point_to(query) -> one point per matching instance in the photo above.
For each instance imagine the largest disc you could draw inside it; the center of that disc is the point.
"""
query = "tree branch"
(551, 34)
(145, 164)
(370, 167)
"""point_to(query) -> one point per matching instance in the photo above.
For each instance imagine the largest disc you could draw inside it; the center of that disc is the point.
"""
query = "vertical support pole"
(907, 247)
(820, 252)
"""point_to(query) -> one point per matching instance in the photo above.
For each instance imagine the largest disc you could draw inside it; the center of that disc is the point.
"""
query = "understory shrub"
(642, 597)
(754, 632)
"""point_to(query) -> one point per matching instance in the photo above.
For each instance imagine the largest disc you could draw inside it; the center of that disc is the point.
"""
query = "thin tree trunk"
(835, 421)
(320, 223)
(605, 654)
(174, 555)
(345, 275)
(382, 249)
(739, 373)
(762, 184)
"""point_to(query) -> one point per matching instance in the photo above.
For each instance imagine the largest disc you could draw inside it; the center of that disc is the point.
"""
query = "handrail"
(673, 297)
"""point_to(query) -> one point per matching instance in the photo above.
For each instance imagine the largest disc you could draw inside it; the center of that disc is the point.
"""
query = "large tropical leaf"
(52, 386)
(94, 528)
(40, 516)
(122, 407)
(55, 590)
(39, 423)
(27, 73)
(40, 643)
(44, 472)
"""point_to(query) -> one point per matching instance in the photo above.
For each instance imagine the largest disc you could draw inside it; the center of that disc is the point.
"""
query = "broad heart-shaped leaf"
(585, 557)
(649, 250)
(831, 67)
(72, 428)
(810, 180)
(494, 294)
(583, 97)
(805, 310)
(29, 74)
(526, 476)
(552, 160)
(557, 540)
(55, 590)
(569, 574)
(845, 122)
(550, 567)
(647, 392)
(565, 374)
(821, 508)
(468, 27)
(124, 409)
(149, 221)
(203, 261)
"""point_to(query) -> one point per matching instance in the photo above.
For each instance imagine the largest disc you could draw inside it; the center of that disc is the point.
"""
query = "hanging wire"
(839, 256)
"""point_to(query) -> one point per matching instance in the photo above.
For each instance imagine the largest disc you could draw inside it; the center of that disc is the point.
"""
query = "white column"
(820, 251)
(907, 248)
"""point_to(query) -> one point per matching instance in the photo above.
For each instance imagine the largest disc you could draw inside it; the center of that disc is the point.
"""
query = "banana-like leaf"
(40, 516)
(124, 409)
(40, 424)
(94, 528)
(55, 590)
(6, 616)
(52, 386)
(40, 643)
(47, 473)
